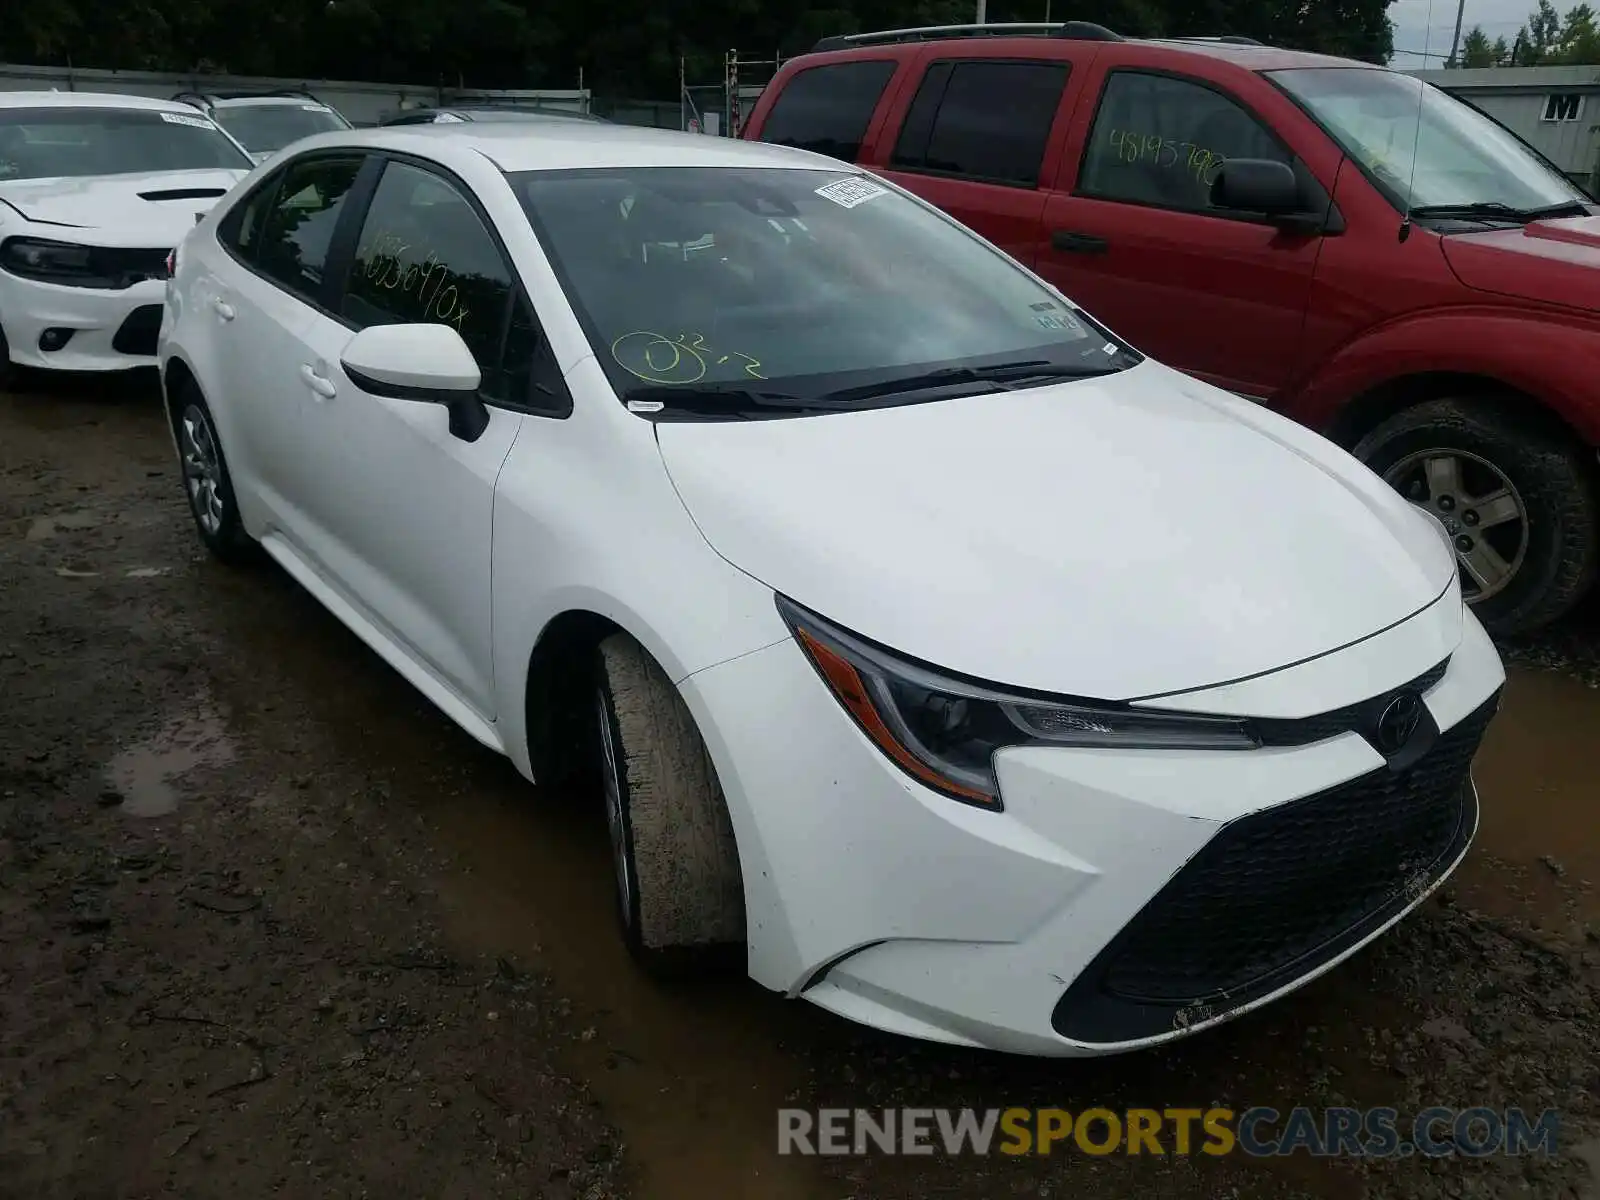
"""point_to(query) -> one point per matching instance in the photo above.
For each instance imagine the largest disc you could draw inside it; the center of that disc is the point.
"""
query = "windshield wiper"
(1493, 210)
(1003, 373)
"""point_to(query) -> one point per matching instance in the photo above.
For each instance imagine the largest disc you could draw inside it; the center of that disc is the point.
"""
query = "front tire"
(1519, 502)
(206, 482)
(680, 896)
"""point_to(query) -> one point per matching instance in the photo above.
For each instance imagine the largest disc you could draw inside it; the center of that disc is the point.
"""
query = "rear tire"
(206, 482)
(1544, 479)
(680, 896)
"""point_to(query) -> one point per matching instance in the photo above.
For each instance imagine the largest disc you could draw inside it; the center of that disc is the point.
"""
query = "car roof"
(1246, 55)
(252, 101)
(574, 145)
(90, 100)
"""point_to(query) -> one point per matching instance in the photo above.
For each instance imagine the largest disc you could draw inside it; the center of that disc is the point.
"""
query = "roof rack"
(1227, 39)
(1083, 31)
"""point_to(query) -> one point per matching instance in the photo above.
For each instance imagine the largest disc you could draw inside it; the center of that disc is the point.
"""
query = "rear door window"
(298, 228)
(827, 109)
(982, 119)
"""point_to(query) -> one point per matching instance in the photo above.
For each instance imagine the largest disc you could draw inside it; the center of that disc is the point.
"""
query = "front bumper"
(110, 330)
(1123, 898)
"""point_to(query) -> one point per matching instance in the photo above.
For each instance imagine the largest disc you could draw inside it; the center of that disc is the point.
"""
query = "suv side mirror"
(1260, 185)
(424, 362)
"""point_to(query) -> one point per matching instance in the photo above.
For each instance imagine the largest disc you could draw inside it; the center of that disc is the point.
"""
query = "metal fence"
(361, 103)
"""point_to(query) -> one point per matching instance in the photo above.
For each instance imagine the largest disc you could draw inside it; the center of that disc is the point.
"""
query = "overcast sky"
(1414, 32)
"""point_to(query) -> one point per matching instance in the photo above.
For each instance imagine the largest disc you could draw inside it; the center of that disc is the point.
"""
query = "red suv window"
(955, 125)
(827, 109)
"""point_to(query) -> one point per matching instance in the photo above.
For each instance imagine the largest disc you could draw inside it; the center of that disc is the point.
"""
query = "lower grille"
(137, 334)
(1276, 894)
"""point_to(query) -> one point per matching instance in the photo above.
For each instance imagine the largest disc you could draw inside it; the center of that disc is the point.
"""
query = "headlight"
(39, 258)
(66, 263)
(944, 731)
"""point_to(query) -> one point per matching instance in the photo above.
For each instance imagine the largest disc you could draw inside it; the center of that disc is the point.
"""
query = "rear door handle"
(1069, 242)
(320, 384)
(224, 309)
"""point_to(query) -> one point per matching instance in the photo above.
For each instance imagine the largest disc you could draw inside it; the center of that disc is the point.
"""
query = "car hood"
(154, 209)
(1116, 538)
(1553, 262)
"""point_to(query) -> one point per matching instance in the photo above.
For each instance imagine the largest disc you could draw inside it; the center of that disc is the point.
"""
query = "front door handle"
(1069, 242)
(320, 384)
(224, 309)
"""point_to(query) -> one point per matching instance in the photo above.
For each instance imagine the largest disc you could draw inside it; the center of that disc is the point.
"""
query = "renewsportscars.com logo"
(1257, 1132)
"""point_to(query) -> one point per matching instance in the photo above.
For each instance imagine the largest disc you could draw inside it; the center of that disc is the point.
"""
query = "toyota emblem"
(1398, 722)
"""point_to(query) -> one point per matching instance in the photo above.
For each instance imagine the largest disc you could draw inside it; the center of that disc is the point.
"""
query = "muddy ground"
(270, 925)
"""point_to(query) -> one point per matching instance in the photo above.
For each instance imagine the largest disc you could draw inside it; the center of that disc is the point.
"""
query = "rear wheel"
(680, 897)
(206, 481)
(1518, 502)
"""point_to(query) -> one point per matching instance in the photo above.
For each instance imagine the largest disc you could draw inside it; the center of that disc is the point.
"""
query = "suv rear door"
(976, 128)
(1130, 233)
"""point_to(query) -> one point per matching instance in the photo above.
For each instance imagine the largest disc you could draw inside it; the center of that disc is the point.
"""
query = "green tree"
(1579, 39)
(1502, 53)
(1541, 36)
(1476, 49)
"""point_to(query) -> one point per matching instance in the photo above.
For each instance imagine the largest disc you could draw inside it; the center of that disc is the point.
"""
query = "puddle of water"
(1541, 801)
(47, 527)
(144, 774)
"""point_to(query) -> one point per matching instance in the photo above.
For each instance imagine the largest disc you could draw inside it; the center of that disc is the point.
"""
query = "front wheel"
(1518, 502)
(680, 896)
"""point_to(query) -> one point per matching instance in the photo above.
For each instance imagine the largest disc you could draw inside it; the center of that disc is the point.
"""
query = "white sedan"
(975, 676)
(95, 191)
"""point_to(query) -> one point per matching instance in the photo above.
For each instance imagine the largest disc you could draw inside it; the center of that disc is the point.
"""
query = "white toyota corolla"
(95, 191)
(983, 679)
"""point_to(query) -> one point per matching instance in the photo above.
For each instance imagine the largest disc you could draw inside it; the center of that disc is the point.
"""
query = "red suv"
(1364, 252)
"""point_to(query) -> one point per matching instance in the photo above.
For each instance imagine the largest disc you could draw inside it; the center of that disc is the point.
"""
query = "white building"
(1555, 109)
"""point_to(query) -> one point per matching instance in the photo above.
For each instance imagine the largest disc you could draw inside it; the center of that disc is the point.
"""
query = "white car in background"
(265, 122)
(971, 674)
(95, 191)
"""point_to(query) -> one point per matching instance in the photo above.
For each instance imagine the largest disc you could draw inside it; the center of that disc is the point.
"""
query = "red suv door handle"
(1069, 242)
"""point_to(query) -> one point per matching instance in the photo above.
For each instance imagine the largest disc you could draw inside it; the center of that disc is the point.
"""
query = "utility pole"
(1455, 42)
(983, 10)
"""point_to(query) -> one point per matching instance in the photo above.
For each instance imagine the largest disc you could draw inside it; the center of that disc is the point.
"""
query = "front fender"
(1553, 356)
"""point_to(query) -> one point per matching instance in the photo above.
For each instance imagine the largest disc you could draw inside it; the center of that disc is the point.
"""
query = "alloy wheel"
(1479, 507)
(202, 469)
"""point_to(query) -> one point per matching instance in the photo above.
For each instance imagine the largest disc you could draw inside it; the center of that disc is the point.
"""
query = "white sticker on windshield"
(645, 406)
(847, 193)
(447, 119)
(182, 119)
(314, 108)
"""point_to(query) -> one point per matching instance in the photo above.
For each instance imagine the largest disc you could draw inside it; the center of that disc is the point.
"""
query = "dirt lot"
(268, 924)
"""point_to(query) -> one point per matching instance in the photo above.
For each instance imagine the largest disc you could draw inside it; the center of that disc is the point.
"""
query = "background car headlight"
(43, 259)
(944, 731)
(71, 265)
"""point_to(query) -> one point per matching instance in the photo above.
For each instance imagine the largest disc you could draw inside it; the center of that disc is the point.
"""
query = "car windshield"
(55, 143)
(1425, 147)
(264, 127)
(782, 286)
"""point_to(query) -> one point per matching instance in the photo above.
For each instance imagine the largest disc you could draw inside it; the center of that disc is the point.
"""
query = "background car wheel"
(206, 483)
(1519, 502)
(680, 896)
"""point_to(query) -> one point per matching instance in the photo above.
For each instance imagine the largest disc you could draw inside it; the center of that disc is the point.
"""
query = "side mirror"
(1260, 185)
(428, 363)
